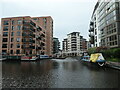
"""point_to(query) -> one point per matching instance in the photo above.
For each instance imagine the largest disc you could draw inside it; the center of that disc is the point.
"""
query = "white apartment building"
(94, 31)
(72, 46)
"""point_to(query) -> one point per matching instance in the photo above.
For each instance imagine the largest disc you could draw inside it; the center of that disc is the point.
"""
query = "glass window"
(18, 45)
(13, 28)
(4, 51)
(6, 22)
(19, 21)
(12, 33)
(17, 51)
(18, 39)
(5, 28)
(12, 39)
(4, 39)
(5, 33)
(18, 27)
(4, 46)
(11, 51)
(11, 46)
(13, 22)
(18, 33)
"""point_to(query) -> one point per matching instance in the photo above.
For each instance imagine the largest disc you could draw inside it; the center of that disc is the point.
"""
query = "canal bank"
(114, 65)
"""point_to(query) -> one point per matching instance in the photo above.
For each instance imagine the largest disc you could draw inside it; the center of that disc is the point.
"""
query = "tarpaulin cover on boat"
(95, 57)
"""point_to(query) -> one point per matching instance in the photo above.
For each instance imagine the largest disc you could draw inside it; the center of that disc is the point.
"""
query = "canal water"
(57, 73)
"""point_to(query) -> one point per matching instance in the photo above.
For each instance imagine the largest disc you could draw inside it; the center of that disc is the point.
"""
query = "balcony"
(24, 28)
(39, 28)
(32, 23)
(91, 34)
(91, 23)
(92, 40)
(42, 35)
(26, 22)
(91, 29)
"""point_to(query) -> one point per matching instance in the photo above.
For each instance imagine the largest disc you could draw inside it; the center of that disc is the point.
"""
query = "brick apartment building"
(24, 36)
(47, 23)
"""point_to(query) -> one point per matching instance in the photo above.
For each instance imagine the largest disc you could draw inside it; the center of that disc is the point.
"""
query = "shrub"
(107, 53)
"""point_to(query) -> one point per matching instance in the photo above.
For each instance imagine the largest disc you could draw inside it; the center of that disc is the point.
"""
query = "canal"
(57, 73)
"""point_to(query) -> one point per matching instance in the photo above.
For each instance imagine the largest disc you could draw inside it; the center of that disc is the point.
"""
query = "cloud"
(68, 16)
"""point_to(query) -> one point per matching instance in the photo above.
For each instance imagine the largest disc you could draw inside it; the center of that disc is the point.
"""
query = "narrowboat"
(96, 58)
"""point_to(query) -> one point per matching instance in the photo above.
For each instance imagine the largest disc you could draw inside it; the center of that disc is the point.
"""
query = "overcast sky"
(68, 15)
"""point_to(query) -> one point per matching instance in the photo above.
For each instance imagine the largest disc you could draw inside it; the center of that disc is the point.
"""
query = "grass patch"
(113, 59)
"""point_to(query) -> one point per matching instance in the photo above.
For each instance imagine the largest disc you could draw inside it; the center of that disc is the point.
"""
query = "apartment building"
(22, 36)
(74, 45)
(64, 47)
(56, 45)
(47, 24)
(0, 44)
(83, 44)
(105, 23)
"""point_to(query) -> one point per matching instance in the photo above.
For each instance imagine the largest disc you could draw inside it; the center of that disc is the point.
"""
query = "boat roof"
(86, 56)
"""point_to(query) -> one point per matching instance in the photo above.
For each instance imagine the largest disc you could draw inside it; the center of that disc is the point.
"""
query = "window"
(5, 33)
(34, 18)
(18, 33)
(11, 46)
(18, 27)
(5, 28)
(19, 21)
(17, 51)
(4, 51)
(13, 22)
(6, 22)
(11, 51)
(13, 28)
(18, 45)
(4, 46)
(12, 33)
(18, 39)
(12, 39)
(4, 39)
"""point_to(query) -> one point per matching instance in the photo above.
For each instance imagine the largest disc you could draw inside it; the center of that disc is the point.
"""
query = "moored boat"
(44, 57)
(95, 59)
(25, 58)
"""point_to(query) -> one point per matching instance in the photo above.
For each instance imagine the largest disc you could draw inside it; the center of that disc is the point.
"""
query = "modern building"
(56, 45)
(47, 24)
(0, 44)
(105, 24)
(64, 47)
(83, 44)
(24, 36)
(73, 45)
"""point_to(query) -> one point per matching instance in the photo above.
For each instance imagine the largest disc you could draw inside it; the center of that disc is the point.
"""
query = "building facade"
(107, 18)
(23, 36)
(74, 45)
(47, 24)
(56, 45)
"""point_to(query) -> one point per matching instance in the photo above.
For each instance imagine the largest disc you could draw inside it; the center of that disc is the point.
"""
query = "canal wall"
(115, 65)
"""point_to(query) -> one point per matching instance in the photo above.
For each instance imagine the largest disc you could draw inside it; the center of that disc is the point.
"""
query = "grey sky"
(68, 15)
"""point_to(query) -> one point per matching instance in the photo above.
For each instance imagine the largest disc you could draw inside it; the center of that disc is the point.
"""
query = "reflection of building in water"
(43, 66)
(74, 44)
(70, 65)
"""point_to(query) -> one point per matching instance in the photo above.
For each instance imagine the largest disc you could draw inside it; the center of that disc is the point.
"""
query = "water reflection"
(57, 73)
